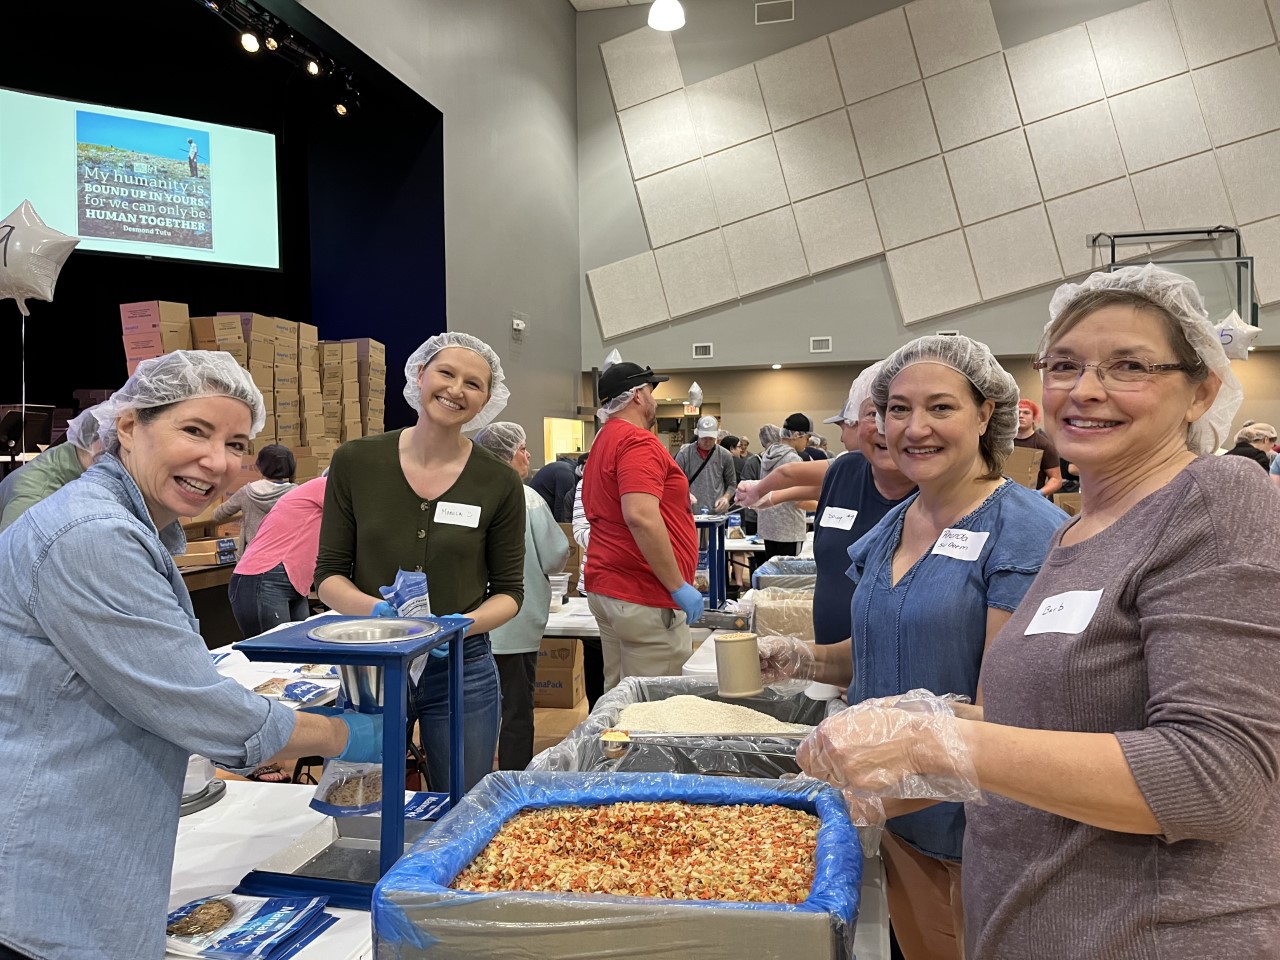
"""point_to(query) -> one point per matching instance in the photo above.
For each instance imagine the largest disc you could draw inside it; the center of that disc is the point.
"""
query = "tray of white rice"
(689, 728)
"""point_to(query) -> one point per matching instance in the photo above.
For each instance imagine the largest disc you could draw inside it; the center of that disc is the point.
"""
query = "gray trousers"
(639, 641)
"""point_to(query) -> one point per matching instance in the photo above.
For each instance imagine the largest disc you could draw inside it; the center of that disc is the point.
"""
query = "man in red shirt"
(644, 547)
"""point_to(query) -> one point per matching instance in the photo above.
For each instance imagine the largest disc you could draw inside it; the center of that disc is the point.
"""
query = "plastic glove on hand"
(364, 737)
(690, 601)
(722, 504)
(384, 609)
(745, 493)
(786, 658)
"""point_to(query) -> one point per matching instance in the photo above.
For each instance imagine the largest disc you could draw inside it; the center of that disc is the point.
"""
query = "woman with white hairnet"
(1128, 743)
(57, 466)
(427, 499)
(106, 680)
(935, 581)
(516, 643)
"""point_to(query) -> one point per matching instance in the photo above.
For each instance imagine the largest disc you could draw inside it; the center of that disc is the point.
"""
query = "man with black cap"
(644, 547)
(709, 468)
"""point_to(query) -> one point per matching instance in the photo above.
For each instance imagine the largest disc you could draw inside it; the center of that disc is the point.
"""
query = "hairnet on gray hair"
(1254, 431)
(770, 434)
(177, 376)
(976, 363)
(501, 438)
(499, 392)
(83, 429)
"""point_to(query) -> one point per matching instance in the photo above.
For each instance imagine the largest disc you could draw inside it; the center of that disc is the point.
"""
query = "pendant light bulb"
(666, 15)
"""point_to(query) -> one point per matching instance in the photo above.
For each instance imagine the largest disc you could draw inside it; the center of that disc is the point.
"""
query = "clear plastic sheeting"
(791, 573)
(416, 916)
(778, 612)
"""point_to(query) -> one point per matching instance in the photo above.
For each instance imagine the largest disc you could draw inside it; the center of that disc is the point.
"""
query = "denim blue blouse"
(928, 631)
(106, 688)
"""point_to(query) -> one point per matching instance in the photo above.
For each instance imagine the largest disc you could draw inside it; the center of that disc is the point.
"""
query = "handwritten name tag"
(458, 514)
(961, 544)
(1068, 612)
(838, 517)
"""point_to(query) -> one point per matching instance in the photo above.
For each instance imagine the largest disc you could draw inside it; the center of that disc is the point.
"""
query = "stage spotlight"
(341, 108)
(271, 43)
(313, 68)
(249, 40)
(212, 5)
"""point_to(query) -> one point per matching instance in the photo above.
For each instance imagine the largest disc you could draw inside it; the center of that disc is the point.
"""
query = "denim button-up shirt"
(105, 689)
(929, 629)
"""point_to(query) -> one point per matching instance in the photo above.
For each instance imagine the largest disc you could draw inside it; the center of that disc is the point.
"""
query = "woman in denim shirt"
(936, 579)
(107, 687)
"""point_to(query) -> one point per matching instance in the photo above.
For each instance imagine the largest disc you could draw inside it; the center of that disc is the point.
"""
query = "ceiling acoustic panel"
(1214, 30)
(1240, 97)
(838, 228)
(933, 277)
(894, 129)
(1075, 150)
(914, 202)
(696, 273)
(948, 33)
(1014, 252)
(627, 295)
(765, 251)
(818, 155)
(1262, 242)
(972, 102)
(1136, 46)
(874, 56)
(1188, 193)
(992, 177)
(1159, 123)
(640, 65)
(1054, 74)
(728, 109)
(746, 180)
(799, 83)
(658, 135)
(1251, 171)
(677, 203)
(1106, 208)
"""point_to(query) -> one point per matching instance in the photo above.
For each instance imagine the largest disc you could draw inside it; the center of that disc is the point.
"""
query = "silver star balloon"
(1235, 336)
(31, 256)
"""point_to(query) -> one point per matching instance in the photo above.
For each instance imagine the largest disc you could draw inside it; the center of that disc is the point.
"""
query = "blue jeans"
(260, 601)
(482, 713)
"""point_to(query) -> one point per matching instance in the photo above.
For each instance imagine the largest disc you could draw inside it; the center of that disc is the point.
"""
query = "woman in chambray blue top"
(107, 687)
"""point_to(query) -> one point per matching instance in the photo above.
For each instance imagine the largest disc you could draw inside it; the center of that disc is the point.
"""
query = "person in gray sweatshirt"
(277, 466)
(782, 527)
(709, 469)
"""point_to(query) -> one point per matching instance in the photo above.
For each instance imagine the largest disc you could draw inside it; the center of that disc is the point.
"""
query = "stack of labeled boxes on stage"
(353, 380)
(153, 328)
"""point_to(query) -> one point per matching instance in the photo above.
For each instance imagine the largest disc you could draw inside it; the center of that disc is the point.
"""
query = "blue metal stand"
(711, 531)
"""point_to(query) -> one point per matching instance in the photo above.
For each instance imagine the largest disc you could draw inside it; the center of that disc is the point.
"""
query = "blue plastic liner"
(414, 898)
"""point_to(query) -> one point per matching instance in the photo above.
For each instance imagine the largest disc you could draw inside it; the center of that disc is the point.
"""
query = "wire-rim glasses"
(1122, 373)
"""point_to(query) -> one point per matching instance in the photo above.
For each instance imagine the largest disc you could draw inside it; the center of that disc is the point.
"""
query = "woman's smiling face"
(454, 386)
(932, 424)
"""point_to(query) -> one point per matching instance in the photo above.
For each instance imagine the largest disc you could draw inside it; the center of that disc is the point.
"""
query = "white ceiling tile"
(874, 56)
(677, 203)
(1136, 45)
(765, 251)
(1262, 242)
(799, 83)
(658, 135)
(1013, 252)
(1184, 194)
(1251, 171)
(972, 102)
(1213, 30)
(627, 295)
(1054, 74)
(818, 155)
(727, 109)
(746, 180)
(640, 65)
(948, 33)
(992, 177)
(1240, 97)
(894, 129)
(1076, 149)
(838, 227)
(1106, 208)
(1159, 123)
(696, 274)
(913, 203)
(933, 277)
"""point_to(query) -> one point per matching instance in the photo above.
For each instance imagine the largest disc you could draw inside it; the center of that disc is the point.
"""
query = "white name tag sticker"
(838, 517)
(458, 514)
(961, 544)
(1068, 612)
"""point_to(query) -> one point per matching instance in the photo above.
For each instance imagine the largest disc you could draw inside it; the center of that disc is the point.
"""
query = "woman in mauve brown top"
(1123, 768)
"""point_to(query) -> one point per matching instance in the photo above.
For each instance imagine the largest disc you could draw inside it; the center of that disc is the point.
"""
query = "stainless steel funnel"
(362, 685)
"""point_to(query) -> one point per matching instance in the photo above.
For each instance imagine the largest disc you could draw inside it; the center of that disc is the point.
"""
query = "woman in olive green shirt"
(425, 498)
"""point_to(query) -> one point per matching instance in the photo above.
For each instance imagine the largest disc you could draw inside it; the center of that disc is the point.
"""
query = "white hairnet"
(1178, 297)
(617, 403)
(83, 429)
(972, 360)
(859, 393)
(499, 392)
(1253, 432)
(695, 394)
(177, 376)
(502, 438)
(770, 434)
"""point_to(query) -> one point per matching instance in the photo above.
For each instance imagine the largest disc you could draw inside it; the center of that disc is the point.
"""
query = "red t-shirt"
(625, 459)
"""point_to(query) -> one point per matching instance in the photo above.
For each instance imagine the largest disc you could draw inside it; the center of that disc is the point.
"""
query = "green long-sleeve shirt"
(30, 484)
(374, 524)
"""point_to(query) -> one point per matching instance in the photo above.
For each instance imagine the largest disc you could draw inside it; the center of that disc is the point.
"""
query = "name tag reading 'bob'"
(961, 544)
(458, 514)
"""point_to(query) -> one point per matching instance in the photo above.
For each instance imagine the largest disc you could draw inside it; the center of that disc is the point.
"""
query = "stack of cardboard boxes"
(560, 681)
(153, 328)
(353, 383)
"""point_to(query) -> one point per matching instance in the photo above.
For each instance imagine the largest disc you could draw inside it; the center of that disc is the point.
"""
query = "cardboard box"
(238, 350)
(288, 431)
(332, 391)
(287, 378)
(375, 369)
(131, 365)
(351, 395)
(309, 357)
(369, 349)
(307, 333)
(143, 345)
(351, 409)
(311, 402)
(350, 350)
(344, 370)
(268, 429)
(309, 379)
(261, 349)
(214, 333)
(287, 355)
(559, 653)
(372, 409)
(286, 333)
(373, 389)
(351, 430)
(1023, 466)
(559, 688)
(308, 468)
(313, 427)
(253, 324)
(1070, 502)
(211, 551)
(288, 406)
(263, 374)
(150, 314)
(330, 352)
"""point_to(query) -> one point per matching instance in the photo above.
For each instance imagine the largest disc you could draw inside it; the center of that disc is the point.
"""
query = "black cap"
(622, 376)
(798, 423)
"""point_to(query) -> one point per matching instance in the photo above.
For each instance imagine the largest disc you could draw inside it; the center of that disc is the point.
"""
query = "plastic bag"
(409, 594)
(782, 613)
(348, 789)
(695, 394)
(235, 927)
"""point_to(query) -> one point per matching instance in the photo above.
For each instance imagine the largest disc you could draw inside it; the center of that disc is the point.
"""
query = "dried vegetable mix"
(669, 850)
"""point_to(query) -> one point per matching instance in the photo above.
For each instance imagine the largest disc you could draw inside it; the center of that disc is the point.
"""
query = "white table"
(574, 619)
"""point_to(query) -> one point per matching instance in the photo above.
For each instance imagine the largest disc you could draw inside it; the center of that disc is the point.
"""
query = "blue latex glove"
(384, 609)
(690, 601)
(364, 733)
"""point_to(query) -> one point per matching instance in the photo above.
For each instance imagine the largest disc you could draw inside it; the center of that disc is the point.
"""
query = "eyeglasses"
(1120, 373)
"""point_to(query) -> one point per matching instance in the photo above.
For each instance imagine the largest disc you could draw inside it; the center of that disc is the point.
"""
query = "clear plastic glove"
(786, 658)
(908, 746)
(722, 503)
(383, 609)
(690, 601)
(364, 733)
(865, 813)
(745, 493)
